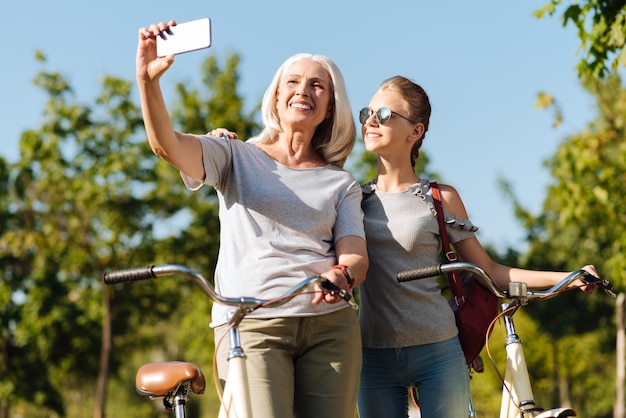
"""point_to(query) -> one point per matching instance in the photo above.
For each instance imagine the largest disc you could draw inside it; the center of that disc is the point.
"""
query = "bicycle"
(517, 396)
(175, 381)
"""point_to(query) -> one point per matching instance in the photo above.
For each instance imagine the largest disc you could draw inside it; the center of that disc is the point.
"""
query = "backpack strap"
(456, 286)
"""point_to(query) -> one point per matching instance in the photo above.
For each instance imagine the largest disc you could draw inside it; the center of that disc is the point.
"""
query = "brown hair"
(419, 105)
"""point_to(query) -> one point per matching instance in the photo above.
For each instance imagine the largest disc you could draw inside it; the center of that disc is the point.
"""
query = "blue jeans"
(437, 370)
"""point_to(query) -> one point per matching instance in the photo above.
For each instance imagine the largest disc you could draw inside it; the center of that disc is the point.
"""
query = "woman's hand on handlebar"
(587, 287)
(336, 277)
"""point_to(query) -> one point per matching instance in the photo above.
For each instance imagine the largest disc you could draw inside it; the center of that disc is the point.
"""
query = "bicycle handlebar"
(487, 281)
(438, 269)
(248, 303)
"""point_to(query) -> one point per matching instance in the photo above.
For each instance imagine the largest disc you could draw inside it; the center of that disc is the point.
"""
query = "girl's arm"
(471, 251)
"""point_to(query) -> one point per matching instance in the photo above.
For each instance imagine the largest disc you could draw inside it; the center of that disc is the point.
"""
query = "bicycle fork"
(518, 400)
(517, 394)
(236, 397)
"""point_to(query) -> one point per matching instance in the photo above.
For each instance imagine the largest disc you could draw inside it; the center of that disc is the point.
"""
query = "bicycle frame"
(174, 381)
(517, 396)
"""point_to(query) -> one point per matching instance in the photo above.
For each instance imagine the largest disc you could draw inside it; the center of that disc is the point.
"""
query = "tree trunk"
(620, 372)
(4, 409)
(105, 354)
(564, 394)
(565, 400)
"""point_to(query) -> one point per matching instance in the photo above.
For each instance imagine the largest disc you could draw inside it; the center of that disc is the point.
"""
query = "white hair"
(335, 136)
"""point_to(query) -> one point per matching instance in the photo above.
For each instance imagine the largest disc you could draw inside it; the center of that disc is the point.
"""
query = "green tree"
(585, 203)
(86, 195)
(586, 163)
(583, 221)
(601, 27)
(20, 362)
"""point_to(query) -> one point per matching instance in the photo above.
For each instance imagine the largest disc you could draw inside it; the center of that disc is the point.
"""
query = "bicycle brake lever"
(606, 285)
(331, 288)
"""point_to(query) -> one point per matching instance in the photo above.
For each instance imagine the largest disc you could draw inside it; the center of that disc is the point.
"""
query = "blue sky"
(481, 62)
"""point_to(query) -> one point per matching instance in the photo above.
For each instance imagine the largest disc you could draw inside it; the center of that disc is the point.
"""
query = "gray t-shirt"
(279, 225)
(403, 233)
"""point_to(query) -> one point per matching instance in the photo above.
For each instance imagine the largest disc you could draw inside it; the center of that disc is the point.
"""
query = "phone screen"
(185, 37)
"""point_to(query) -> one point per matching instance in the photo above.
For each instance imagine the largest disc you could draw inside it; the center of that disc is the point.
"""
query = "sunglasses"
(383, 115)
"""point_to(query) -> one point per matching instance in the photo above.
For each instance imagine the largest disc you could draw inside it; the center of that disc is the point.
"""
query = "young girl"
(408, 330)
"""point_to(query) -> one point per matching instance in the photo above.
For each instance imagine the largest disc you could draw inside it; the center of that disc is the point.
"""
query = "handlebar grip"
(418, 273)
(128, 275)
(591, 279)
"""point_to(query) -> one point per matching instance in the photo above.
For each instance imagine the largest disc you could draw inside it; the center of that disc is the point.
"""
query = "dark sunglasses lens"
(383, 115)
(364, 115)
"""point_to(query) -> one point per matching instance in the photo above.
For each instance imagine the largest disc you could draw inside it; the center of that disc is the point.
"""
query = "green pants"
(300, 366)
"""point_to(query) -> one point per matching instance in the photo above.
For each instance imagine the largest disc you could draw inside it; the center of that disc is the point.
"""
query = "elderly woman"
(288, 210)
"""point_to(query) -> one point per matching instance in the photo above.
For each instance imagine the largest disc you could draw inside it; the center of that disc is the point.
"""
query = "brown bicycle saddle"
(158, 379)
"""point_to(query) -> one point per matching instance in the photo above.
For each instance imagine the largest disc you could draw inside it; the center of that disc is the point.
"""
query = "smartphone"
(185, 37)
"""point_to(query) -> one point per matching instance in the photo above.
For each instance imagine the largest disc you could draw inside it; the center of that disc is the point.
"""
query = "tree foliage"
(583, 221)
(601, 28)
(583, 211)
(87, 195)
(84, 196)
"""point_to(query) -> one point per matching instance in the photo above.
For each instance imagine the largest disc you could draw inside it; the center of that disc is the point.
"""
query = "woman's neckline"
(408, 187)
(297, 168)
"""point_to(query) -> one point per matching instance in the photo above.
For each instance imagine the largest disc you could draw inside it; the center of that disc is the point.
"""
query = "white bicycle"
(518, 400)
(175, 381)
